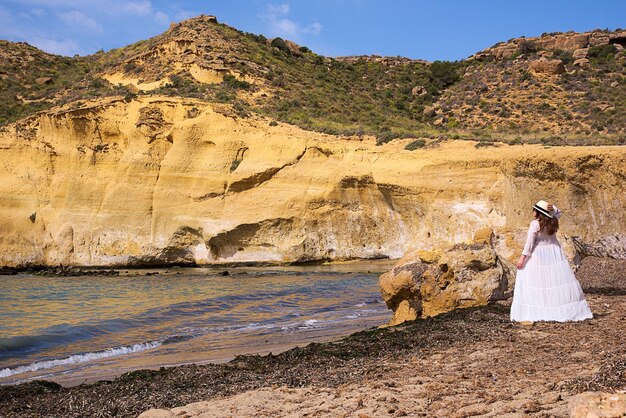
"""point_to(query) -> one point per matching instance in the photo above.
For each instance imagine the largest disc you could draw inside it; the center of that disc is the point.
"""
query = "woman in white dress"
(545, 287)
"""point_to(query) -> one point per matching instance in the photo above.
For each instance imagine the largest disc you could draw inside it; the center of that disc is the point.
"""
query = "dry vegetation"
(504, 100)
(484, 99)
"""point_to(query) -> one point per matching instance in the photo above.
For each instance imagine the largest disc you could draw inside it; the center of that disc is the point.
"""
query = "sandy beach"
(464, 363)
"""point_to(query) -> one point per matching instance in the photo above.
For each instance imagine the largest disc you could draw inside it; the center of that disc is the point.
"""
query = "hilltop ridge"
(557, 88)
(568, 84)
(561, 41)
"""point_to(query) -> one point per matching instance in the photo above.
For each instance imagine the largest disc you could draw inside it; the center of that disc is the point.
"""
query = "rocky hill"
(175, 150)
(32, 80)
(567, 84)
(557, 88)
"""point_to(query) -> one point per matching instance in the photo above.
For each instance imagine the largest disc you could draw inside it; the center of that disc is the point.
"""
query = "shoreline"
(101, 373)
(112, 375)
(190, 316)
(75, 270)
(471, 359)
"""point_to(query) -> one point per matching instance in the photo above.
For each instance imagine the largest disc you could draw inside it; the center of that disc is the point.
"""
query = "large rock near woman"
(426, 283)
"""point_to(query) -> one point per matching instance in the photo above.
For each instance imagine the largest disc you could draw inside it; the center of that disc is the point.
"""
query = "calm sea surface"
(82, 329)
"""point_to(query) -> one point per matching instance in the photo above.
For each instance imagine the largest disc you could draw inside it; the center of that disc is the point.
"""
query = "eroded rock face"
(611, 246)
(425, 284)
(580, 53)
(564, 41)
(545, 66)
(568, 41)
(164, 181)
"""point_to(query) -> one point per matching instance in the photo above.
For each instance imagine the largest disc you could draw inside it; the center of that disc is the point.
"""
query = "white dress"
(546, 288)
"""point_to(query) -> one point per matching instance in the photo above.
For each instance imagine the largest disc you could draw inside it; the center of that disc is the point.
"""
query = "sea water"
(87, 328)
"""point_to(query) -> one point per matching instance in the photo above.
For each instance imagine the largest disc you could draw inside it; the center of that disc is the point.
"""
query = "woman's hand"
(520, 262)
(550, 208)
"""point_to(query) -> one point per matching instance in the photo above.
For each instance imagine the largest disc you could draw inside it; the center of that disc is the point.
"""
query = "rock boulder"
(429, 111)
(425, 284)
(582, 63)
(610, 246)
(43, 80)
(580, 53)
(545, 66)
(598, 404)
(419, 91)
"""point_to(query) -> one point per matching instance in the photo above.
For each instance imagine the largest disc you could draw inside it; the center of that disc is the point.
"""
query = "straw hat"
(542, 207)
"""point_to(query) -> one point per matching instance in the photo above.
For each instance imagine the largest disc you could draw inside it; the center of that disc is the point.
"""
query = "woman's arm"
(556, 212)
(530, 242)
(521, 261)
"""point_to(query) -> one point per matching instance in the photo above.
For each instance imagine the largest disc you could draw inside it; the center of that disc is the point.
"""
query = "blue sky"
(433, 29)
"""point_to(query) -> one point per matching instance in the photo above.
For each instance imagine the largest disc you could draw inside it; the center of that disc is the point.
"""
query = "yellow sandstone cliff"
(161, 180)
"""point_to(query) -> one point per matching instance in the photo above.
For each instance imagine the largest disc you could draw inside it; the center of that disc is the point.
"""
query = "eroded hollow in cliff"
(256, 237)
(621, 40)
(227, 244)
(179, 248)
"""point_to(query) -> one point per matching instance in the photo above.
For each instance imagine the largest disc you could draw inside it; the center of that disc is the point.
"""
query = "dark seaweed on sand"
(353, 358)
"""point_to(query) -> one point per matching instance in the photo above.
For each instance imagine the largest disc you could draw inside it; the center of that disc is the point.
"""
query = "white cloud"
(75, 17)
(53, 46)
(284, 27)
(278, 9)
(162, 18)
(9, 29)
(278, 24)
(182, 14)
(314, 28)
(141, 8)
(112, 7)
(51, 3)
(13, 29)
(79, 26)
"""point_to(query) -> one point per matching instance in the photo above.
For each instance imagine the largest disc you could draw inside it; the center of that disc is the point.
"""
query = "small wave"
(177, 339)
(369, 302)
(243, 327)
(308, 324)
(80, 358)
(193, 332)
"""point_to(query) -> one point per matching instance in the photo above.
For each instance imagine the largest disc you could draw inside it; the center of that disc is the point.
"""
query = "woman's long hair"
(549, 225)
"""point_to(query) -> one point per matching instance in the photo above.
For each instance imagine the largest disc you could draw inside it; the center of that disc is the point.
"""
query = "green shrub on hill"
(526, 47)
(484, 144)
(32, 78)
(232, 82)
(183, 85)
(384, 97)
(281, 44)
(601, 54)
(444, 73)
(565, 56)
(417, 144)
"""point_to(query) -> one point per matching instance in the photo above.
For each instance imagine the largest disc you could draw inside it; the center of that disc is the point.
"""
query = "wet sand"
(468, 362)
